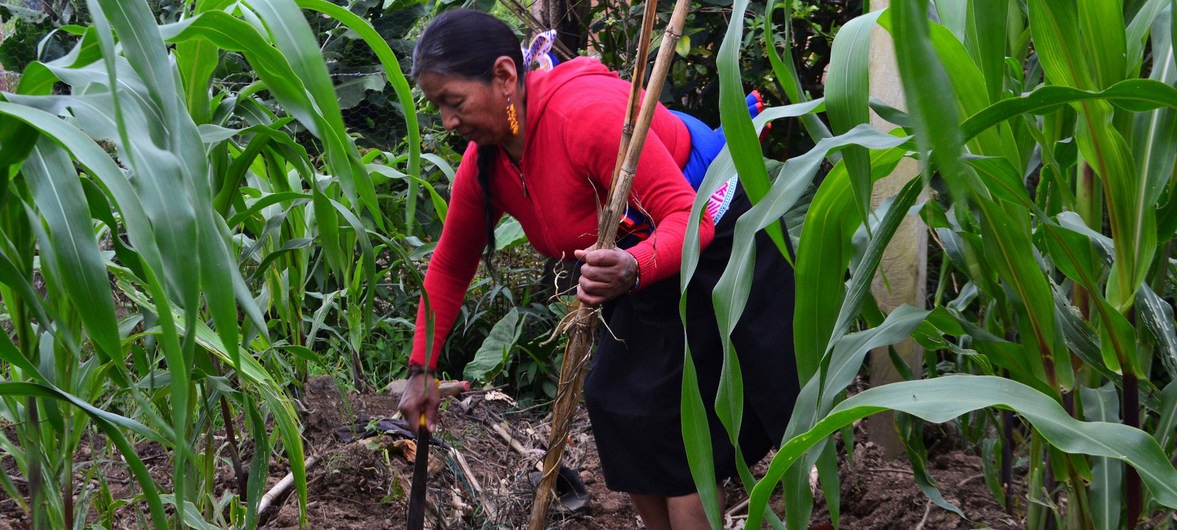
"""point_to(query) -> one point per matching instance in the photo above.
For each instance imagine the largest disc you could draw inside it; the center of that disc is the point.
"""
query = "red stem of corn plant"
(67, 490)
(234, 453)
(1085, 199)
(1132, 492)
(231, 436)
(1007, 457)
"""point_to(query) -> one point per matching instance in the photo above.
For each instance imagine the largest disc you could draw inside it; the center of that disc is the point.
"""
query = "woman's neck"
(514, 148)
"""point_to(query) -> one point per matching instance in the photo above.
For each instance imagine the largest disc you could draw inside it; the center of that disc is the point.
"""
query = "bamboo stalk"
(633, 107)
(582, 329)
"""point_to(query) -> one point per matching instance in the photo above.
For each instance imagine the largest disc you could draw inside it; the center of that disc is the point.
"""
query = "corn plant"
(197, 208)
(1043, 129)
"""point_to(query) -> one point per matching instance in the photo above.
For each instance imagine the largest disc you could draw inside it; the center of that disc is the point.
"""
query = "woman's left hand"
(605, 275)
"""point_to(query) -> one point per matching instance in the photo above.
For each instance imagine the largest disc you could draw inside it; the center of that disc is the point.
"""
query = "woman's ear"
(504, 72)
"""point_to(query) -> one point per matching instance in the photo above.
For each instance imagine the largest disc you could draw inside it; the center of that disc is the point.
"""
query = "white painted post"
(904, 264)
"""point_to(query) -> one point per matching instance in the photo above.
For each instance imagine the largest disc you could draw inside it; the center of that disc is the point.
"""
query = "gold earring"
(512, 118)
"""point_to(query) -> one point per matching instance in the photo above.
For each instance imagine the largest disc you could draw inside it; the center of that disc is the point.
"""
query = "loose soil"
(483, 483)
(358, 487)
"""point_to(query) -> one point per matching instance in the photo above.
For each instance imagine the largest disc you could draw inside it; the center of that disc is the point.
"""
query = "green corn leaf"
(292, 36)
(20, 283)
(1138, 30)
(260, 463)
(1154, 129)
(400, 86)
(917, 456)
(987, 33)
(819, 392)
(953, 14)
(95, 161)
(941, 399)
(697, 436)
(889, 113)
(10, 354)
(822, 258)
(367, 256)
(930, 95)
(1133, 223)
(18, 140)
(286, 422)
(263, 137)
(287, 197)
(1080, 338)
(110, 425)
(162, 146)
(59, 196)
(1136, 95)
(1062, 51)
(192, 518)
(1103, 404)
(1167, 417)
(1156, 317)
(737, 125)
(272, 68)
(220, 280)
(328, 225)
(864, 273)
(1103, 244)
(1101, 23)
(509, 233)
(1007, 250)
(969, 87)
(1060, 47)
(196, 62)
(288, 246)
(147, 132)
(719, 172)
(38, 80)
(440, 207)
(1002, 181)
(784, 194)
(847, 94)
(1074, 255)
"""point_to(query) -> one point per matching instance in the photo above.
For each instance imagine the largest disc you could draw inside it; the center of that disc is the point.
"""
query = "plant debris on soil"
(360, 474)
(482, 481)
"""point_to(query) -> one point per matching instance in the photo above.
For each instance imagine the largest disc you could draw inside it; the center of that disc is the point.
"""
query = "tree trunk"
(903, 270)
(568, 18)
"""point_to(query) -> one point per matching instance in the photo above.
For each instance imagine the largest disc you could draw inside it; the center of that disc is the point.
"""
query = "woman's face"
(472, 108)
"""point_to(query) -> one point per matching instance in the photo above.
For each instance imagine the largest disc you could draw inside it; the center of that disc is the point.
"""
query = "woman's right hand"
(421, 396)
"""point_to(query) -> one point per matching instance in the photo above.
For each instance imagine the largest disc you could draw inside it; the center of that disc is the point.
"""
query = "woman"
(542, 149)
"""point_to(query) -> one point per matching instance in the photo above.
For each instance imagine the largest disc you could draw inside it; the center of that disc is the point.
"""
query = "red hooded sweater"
(573, 126)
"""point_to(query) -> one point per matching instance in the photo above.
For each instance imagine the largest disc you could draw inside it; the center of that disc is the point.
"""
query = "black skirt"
(634, 385)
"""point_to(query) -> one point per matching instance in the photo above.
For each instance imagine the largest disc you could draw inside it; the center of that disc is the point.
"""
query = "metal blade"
(420, 475)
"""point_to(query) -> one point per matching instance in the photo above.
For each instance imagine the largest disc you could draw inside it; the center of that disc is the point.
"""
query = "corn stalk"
(1031, 160)
(204, 215)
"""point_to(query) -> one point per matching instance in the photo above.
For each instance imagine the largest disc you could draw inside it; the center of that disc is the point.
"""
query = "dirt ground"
(364, 485)
(479, 481)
